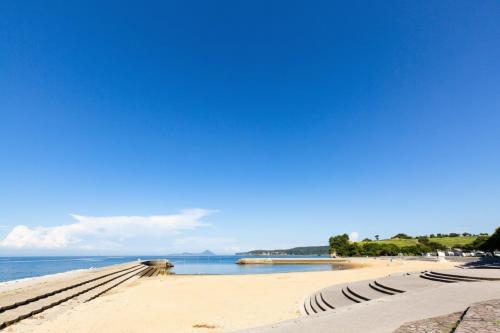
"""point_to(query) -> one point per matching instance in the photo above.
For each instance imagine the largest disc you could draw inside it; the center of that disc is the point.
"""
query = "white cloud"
(353, 236)
(90, 232)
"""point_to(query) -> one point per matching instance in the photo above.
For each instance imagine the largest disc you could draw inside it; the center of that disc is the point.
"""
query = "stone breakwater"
(290, 261)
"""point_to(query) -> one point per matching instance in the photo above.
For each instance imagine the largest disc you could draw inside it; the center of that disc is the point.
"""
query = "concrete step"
(321, 304)
(487, 274)
(151, 272)
(380, 289)
(145, 272)
(338, 296)
(335, 298)
(347, 293)
(365, 292)
(428, 276)
(467, 274)
(385, 287)
(324, 302)
(316, 304)
(398, 283)
(313, 305)
(307, 306)
(453, 278)
(96, 292)
(21, 312)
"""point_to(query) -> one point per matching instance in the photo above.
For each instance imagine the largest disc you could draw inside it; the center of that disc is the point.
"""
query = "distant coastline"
(190, 254)
(295, 251)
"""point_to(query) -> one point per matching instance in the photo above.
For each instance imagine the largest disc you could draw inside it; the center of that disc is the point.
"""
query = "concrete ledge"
(290, 261)
(160, 263)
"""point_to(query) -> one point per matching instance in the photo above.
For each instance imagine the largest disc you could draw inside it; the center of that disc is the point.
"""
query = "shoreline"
(39, 278)
(47, 276)
(207, 303)
(339, 262)
(34, 281)
(44, 276)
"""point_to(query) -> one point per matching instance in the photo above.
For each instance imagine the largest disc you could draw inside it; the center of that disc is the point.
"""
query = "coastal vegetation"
(400, 243)
(407, 245)
(446, 241)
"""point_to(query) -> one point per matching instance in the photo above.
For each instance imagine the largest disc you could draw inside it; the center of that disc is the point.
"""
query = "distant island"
(204, 253)
(297, 251)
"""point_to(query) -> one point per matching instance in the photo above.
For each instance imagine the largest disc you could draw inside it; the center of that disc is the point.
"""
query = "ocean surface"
(13, 268)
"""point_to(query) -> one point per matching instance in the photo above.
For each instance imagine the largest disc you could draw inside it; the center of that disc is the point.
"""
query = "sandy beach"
(209, 303)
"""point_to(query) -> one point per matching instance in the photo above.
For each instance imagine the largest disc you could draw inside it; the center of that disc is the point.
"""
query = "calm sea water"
(13, 268)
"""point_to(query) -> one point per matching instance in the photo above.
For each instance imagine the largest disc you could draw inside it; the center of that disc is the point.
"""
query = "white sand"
(217, 303)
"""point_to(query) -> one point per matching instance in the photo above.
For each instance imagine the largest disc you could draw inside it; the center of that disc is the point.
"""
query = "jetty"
(22, 299)
(290, 261)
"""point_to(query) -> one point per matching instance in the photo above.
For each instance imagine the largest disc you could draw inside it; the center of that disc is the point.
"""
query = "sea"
(15, 268)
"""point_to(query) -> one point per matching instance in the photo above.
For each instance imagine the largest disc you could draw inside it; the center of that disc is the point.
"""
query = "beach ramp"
(25, 300)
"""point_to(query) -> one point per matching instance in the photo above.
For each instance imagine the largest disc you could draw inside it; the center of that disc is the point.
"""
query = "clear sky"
(166, 126)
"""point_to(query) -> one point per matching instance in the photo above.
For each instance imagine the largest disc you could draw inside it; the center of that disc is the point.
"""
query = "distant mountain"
(304, 250)
(204, 253)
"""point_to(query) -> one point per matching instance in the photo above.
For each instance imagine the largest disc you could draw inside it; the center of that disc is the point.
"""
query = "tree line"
(438, 235)
(341, 246)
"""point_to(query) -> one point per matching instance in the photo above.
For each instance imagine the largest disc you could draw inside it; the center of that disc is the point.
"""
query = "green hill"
(447, 241)
(323, 250)
(304, 250)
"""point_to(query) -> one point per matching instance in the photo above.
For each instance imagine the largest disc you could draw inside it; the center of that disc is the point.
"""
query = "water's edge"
(22, 268)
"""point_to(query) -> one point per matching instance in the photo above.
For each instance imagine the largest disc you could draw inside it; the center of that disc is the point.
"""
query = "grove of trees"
(341, 246)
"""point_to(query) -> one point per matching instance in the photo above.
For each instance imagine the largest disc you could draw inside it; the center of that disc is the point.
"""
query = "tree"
(401, 236)
(377, 237)
(367, 240)
(493, 242)
(433, 246)
(371, 249)
(340, 245)
(478, 243)
(389, 250)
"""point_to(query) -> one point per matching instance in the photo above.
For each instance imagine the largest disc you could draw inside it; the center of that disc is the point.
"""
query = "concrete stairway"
(338, 296)
(390, 313)
(17, 306)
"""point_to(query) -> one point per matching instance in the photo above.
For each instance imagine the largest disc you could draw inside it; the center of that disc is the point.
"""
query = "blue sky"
(231, 125)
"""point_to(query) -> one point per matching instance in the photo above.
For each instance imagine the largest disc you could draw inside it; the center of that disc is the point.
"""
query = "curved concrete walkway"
(341, 295)
(385, 304)
(386, 314)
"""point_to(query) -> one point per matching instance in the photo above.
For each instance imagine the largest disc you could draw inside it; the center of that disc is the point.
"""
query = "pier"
(290, 261)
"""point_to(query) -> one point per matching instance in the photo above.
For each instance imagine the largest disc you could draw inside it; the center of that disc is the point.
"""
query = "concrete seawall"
(162, 263)
(290, 261)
